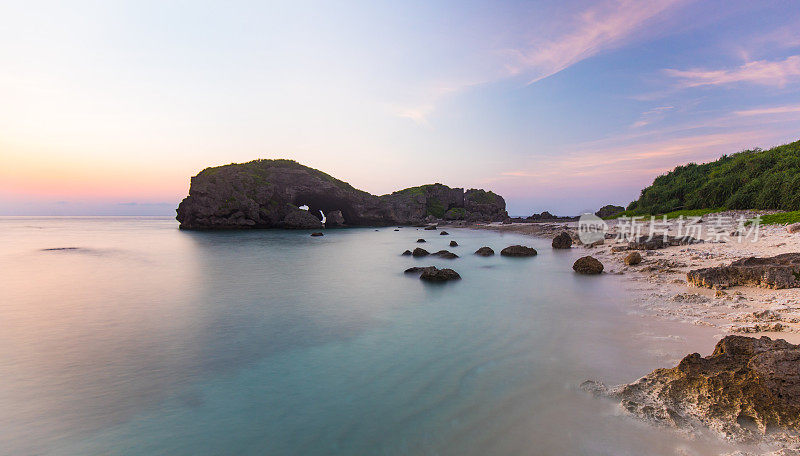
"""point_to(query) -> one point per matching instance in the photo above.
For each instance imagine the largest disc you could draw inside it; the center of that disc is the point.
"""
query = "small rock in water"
(443, 233)
(445, 254)
(484, 251)
(453, 244)
(562, 241)
(588, 265)
(418, 252)
(434, 274)
(421, 240)
(407, 252)
(518, 251)
(317, 234)
(430, 228)
(396, 229)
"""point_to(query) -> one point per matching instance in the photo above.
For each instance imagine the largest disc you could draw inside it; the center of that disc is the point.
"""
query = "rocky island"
(269, 194)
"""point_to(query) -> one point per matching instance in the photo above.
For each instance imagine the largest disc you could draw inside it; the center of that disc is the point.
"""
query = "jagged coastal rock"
(780, 271)
(747, 390)
(269, 193)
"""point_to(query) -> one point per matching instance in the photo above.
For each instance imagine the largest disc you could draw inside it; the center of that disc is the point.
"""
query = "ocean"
(126, 335)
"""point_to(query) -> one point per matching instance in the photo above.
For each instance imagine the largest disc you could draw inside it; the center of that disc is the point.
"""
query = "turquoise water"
(137, 338)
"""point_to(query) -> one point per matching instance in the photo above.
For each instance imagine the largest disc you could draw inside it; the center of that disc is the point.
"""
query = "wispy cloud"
(595, 30)
(652, 115)
(606, 25)
(763, 72)
(769, 111)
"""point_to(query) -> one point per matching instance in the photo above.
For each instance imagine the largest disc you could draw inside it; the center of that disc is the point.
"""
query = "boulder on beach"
(453, 244)
(484, 251)
(418, 252)
(588, 265)
(780, 271)
(793, 228)
(518, 251)
(316, 234)
(632, 259)
(747, 390)
(445, 254)
(562, 241)
(421, 240)
(443, 233)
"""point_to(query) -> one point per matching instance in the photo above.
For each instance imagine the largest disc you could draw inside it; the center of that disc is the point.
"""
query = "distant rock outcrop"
(780, 271)
(269, 194)
(609, 211)
(747, 390)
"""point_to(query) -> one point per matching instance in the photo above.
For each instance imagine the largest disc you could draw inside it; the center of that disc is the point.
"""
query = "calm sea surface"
(137, 338)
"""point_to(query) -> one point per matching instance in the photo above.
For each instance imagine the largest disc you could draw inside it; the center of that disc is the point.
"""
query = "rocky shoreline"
(748, 287)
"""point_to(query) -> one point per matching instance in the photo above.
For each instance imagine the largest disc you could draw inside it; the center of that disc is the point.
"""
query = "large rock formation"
(780, 271)
(268, 194)
(748, 389)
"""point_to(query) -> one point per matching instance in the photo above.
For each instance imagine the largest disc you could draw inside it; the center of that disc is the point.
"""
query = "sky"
(109, 107)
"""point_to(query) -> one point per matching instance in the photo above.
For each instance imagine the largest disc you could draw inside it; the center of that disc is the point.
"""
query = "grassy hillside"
(753, 179)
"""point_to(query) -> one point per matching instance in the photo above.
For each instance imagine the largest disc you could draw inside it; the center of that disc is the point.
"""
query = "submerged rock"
(407, 252)
(562, 241)
(780, 271)
(588, 265)
(444, 233)
(431, 228)
(518, 251)
(418, 252)
(433, 274)
(453, 244)
(632, 259)
(317, 234)
(484, 251)
(747, 390)
(445, 254)
(420, 240)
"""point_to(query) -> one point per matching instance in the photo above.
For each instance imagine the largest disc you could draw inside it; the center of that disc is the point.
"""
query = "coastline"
(659, 286)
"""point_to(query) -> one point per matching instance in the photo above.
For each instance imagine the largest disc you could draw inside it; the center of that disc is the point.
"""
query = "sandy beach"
(659, 284)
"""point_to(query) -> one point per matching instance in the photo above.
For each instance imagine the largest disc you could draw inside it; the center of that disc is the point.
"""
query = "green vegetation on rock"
(781, 218)
(752, 179)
